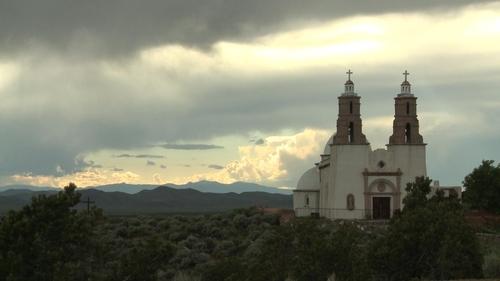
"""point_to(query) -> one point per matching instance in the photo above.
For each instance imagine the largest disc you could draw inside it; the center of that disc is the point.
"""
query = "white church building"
(352, 181)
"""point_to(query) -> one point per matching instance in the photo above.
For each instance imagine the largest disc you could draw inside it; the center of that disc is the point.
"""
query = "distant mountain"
(26, 187)
(203, 186)
(237, 187)
(158, 200)
(123, 187)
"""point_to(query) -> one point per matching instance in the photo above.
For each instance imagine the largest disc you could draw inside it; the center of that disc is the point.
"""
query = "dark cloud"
(118, 170)
(215, 167)
(163, 166)
(260, 142)
(150, 163)
(126, 155)
(39, 139)
(117, 27)
(60, 108)
(191, 146)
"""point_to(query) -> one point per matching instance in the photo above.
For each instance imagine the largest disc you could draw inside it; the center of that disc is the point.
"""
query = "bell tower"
(405, 127)
(349, 127)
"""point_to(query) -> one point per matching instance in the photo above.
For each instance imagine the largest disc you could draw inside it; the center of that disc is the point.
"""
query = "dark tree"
(482, 187)
(313, 252)
(429, 239)
(47, 240)
(268, 259)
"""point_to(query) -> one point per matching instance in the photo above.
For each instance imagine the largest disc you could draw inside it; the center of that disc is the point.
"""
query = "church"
(352, 181)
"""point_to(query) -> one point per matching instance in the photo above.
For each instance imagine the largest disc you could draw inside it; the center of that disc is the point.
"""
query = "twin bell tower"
(349, 123)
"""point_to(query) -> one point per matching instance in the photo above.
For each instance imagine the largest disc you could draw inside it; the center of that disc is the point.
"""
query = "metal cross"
(88, 202)
(406, 73)
(349, 74)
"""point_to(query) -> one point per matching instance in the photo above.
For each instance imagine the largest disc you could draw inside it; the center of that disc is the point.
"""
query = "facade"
(352, 181)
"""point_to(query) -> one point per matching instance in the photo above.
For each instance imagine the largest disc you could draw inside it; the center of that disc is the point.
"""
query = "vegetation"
(51, 240)
(482, 188)
(47, 240)
(491, 265)
(429, 239)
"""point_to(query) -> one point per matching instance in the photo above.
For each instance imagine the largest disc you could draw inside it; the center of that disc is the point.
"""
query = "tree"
(428, 239)
(48, 239)
(313, 252)
(482, 187)
(268, 259)
(349, 247)
(305, 249)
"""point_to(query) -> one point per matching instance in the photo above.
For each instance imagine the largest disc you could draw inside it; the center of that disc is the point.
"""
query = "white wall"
(411, 159)
(348, 163)
(300, 205)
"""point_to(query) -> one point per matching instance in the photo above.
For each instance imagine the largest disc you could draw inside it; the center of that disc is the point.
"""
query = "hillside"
(203, 186)
(158, 200)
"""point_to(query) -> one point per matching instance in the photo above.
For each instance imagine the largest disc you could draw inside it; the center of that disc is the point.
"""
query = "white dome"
(327, 145)
(309, 180)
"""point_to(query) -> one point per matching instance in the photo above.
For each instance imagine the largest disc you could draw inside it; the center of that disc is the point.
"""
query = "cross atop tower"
(349, 85)
(406, 73)
(349, 74)
(405, 86)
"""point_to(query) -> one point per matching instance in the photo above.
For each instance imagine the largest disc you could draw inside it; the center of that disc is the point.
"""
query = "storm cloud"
(121, 27)
(87, 76)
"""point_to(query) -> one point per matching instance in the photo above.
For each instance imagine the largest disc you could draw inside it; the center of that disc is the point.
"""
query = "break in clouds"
(111, 76)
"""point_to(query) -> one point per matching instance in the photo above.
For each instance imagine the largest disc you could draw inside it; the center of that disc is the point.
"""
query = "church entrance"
(381, 208)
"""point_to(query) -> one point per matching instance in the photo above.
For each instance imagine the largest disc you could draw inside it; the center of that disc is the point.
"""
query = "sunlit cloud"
(9, 71)
(89, 177)
(270, 162)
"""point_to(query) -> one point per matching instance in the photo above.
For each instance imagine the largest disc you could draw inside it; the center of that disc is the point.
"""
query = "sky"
(98, 92)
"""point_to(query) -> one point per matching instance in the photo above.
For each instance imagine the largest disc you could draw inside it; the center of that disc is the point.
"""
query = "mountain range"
(159, 199)
(203, 186)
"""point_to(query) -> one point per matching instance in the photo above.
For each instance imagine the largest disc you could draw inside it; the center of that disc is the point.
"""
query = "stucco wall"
(348, 163)
(300, 202)
(411, 159)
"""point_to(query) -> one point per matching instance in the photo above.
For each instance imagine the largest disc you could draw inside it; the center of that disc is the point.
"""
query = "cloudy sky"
(160, 91)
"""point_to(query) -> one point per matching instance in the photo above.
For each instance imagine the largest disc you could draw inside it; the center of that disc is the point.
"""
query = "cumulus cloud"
(279, 161)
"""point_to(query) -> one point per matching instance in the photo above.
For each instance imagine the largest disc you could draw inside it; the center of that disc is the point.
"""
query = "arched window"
(408, 133)
(307, 200)
(350, 202)
(350, 107)
(407, 108)
(351, 133)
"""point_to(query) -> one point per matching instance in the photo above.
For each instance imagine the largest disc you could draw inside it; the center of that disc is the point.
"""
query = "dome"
(327, 145)
(309, 180)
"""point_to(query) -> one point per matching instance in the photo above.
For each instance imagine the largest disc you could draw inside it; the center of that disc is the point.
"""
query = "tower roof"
(405, 86)
(349, 85)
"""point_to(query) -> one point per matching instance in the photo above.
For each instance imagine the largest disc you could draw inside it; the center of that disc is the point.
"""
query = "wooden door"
(381, 208)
